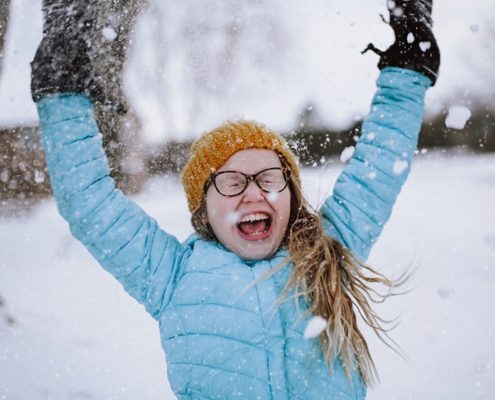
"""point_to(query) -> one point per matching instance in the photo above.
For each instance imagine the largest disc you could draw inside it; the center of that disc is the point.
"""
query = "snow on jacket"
(222, 334)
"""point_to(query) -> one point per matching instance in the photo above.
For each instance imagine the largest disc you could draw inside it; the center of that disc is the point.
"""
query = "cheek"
(213, 204)
(281, 203)
(221, 212)
(213, 212)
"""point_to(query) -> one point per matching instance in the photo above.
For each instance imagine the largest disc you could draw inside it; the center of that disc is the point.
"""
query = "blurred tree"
(482, 65)
(114, 21)
(198, 55)
(4, 21)
(114, 24)
(309, 119)
(22, 175)
(5, 317)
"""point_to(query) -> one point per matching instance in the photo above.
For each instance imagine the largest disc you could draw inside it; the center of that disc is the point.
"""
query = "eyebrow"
(246, 173)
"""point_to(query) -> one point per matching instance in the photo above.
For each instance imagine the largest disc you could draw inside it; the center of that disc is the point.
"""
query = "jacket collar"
(274, 259)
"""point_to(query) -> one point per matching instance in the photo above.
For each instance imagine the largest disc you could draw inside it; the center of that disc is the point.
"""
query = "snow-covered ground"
(77, 335)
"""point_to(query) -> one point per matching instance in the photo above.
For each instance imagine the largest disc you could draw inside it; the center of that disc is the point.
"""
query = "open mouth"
(255, 226)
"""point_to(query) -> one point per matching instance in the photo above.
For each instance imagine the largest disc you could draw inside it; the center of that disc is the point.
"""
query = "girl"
(232, 301)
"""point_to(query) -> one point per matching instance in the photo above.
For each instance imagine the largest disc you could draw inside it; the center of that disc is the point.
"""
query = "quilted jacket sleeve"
(367, 188)
(119, 234)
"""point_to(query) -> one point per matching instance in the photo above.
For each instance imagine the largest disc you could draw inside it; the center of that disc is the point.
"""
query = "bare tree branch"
(114, 24)
(4, 21)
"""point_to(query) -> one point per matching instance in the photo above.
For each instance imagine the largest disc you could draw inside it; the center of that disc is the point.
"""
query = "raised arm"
(119, 234)
(367, 188)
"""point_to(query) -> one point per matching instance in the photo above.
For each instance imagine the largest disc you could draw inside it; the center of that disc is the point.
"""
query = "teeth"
(257, 233)
(254, 217)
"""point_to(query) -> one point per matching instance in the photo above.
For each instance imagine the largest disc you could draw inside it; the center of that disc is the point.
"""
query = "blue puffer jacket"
(223, 336)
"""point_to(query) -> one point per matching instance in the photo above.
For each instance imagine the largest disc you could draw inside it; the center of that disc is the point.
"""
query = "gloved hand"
(61, 63)
(415, 46)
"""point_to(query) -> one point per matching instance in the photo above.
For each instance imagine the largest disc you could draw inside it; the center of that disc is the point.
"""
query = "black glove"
(415, 46)
(61, 63)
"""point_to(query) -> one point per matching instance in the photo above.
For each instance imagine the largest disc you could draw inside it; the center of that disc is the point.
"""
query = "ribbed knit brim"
(213, 149)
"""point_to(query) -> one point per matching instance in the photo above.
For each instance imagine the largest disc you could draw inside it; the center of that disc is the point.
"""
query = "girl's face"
(253, 223)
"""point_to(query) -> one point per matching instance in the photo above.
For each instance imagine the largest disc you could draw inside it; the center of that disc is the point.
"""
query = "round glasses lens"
(230, 183)
(272, 180)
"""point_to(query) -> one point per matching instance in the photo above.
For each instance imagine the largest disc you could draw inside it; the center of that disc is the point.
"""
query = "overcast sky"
(322, 65)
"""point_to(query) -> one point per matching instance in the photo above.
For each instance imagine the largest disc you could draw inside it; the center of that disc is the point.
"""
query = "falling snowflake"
(399, 166)
(347, 154)
(109, 34)
(39, 176)
(457, 117)
(371, 175)
(424, 46)
(272, 197)
(316, 325)
(233, 217)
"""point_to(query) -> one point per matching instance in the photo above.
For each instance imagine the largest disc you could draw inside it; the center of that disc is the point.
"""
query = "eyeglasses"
(233, 183)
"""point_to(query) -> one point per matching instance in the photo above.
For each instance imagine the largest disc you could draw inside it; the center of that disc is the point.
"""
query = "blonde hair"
(337, 284)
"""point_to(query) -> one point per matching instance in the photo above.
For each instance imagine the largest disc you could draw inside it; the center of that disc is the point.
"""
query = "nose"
(252, 193)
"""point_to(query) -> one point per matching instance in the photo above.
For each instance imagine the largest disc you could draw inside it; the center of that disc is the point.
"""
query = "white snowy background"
(77, 335)
(289, 54)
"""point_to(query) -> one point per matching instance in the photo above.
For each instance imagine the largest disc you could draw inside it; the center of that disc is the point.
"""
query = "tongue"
(250, 228)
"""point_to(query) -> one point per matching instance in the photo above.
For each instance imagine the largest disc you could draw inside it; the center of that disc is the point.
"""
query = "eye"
(272, 180)
(233, 184)
(267, 178)
(230, 182)
(273, 176)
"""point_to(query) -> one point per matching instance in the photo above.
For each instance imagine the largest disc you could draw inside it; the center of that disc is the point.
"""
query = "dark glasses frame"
(286, 172)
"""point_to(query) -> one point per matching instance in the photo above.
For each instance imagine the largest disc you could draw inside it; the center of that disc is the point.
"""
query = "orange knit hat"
(213, 149)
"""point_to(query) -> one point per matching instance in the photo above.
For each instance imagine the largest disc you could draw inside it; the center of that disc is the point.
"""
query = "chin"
(255, 251)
